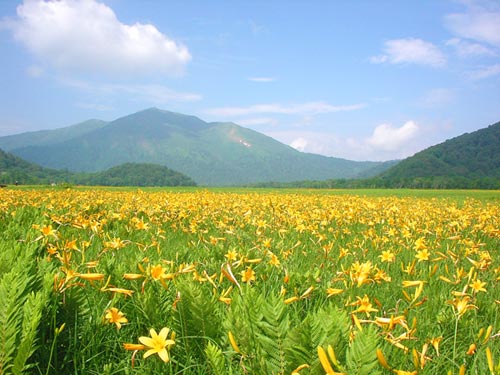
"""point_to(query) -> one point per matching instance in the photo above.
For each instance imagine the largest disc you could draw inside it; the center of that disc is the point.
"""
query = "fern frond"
(361, 358)
(197, 319)
(216, 359)
(32, 313)
(327, 326)
(15, 287)
(271, 334)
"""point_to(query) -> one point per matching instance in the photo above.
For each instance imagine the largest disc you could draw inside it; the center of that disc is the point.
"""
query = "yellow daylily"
(113, 315)
(158, 343)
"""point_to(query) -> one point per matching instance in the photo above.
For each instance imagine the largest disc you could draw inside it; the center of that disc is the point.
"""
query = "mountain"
(470, 160)
(14, 169)
(210, 153)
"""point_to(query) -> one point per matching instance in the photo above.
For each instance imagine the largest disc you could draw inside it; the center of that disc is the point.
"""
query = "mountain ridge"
(212, 153)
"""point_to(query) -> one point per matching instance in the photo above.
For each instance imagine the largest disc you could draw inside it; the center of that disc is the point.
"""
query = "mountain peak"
(155, 117)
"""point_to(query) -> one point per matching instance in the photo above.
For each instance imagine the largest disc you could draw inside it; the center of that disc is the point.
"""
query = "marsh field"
(247, 281)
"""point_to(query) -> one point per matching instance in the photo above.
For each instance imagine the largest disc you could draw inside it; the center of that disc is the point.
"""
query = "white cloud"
(299, 144)
(85, 35)
(464, 48)
(385, 143)
(262, 79)
(477, 23)
(410, 51)
(486, 72)
(385, 137)
(309, 108)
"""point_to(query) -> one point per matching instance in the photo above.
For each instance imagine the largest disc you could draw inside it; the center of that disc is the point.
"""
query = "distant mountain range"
(136, 149)
(210, 153)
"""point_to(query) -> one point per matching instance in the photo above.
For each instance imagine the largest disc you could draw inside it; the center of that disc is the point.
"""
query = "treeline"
(135, 174)
(470, 160)
(436, 182)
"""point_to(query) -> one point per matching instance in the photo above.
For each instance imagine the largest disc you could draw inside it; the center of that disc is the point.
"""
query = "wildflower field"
(221, 282)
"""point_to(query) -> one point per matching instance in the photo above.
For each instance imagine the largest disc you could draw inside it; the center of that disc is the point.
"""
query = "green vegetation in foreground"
(248, 281)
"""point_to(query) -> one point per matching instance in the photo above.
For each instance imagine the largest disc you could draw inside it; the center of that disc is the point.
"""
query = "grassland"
(249, 281)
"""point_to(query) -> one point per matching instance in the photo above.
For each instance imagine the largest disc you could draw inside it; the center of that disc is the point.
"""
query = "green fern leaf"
(32, 313)
(216, 359)
(361, 357)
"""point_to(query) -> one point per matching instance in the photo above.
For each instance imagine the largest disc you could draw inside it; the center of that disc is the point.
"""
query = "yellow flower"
(49, 231)
(461, 305)
(90, 276)
(127, 292)
(435, 343)
(157, 272)
(301, 367)
(233, 343)
(274, 260)
(478, 286)
(248, 275)
(231, 255)
(129, 346)
(132, 276)
(422, 255)
(113, 315)
(158, 343)
(472, 349)
(333, 291)
(364, 305)
(387, 256)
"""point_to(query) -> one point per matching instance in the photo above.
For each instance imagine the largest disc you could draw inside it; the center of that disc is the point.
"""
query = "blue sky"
(361, 79)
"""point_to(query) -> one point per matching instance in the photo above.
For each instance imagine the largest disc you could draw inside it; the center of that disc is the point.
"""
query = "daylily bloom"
(129, 346)
(90, 276)
(478, 286)
(461, 305)
(364, 305)
(158, 343)
(248, 275)
(158, 272)
(387, 256)
(113, 315)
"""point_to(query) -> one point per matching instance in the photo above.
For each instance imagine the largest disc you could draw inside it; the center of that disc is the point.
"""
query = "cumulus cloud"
(85, 35)
(299, 144)
(476, 23)
(410, 51)
(386, 142)
(385, 137)
(310, 108)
